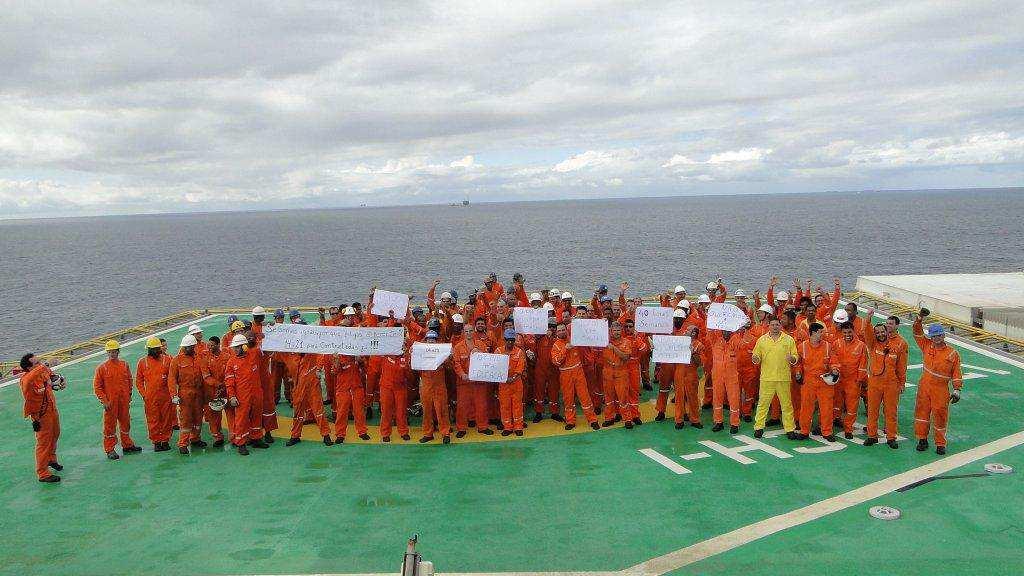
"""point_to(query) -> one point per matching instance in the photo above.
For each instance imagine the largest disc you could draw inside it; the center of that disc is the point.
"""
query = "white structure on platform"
(994, 302)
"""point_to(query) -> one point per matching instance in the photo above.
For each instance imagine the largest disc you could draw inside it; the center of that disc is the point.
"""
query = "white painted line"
(130, 342)
(663, 460)
(993, 371)
(730, 540)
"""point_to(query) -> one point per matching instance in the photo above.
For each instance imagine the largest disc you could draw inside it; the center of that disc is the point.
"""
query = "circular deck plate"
(885, 512)
(996, 468)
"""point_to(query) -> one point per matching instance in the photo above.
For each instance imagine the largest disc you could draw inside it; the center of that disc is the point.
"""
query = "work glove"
(36, 426)
(233, 401)
(954, 397)
(176, 401)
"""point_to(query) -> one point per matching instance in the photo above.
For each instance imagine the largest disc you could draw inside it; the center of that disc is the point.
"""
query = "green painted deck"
(580, 502)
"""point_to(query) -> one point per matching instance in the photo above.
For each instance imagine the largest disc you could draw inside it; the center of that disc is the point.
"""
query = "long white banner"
(333, 339)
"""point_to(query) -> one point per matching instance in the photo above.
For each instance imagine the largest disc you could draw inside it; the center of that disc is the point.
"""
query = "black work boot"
(922, 445)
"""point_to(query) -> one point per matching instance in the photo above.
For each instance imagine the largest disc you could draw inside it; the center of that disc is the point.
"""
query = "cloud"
(220, 106)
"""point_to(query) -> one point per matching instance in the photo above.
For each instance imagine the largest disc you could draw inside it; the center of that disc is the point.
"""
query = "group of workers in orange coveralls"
(798, 353)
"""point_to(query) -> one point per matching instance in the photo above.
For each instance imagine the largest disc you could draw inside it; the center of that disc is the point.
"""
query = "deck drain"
(996, 468)
(885, 512)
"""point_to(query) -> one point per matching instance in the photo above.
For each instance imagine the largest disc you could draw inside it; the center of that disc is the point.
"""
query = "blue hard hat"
(431, 334)
(417, 310)
(510, 334)
(936, 330)
(455, 295)
(278, 313)
(602, 288)
(232, 319)
(294, 314)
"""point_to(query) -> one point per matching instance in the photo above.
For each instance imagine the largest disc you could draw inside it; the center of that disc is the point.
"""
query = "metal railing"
(979, 335)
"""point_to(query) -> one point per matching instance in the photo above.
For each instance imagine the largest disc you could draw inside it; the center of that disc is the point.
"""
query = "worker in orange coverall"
(151, 382)
(615, 371)
(112, 384)
(245, 395)
(394, 396)
(941, 371)
(510, 392)
(37, 385)
(185, 381)
(213, 387)
(639, 357)
(434, 398)
(852, 356)
(545, 378)
(727, 348)
(887, 376)
(307, 397)
(816, 359)
(574, 384)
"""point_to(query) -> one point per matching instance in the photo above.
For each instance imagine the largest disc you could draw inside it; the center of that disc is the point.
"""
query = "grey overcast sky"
(143, 107)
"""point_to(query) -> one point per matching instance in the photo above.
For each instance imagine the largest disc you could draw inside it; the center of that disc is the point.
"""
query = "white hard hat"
(679, 289)
(348, 311)
(458, 319)
(446, 295)
(554, 292)
(566, 295)
(767, 309)
(536, 297)
(259, 311)
(195, 329)
(739, 294)
(703, 299)
(188, 340)
(683, 304)
(712, 286)
(782, 296)
(840, 316)
(549, 306)
(679, 314)
(239, 340)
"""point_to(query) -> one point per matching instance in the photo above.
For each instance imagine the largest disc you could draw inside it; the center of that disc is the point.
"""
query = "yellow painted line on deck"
(543, 429)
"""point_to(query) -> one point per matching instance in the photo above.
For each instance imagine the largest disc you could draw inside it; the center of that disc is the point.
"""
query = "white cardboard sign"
(671, 349)
(484, 367)
(384, 301)
(589, 332)
(724, 316)
(349, 341)
(653, 319)
(530, 320)
(427, 356)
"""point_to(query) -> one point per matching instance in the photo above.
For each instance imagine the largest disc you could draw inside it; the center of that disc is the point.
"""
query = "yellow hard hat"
(111, 345)
(153, 342)
(237, 326)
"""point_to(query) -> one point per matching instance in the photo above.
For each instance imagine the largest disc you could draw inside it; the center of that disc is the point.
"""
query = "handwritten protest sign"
(671, 349)
(653, 319)
(589, 332)
(485, 367)
(383, 301)
(722, 316)
(427, 356)
(530, 320)
(333, 339)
